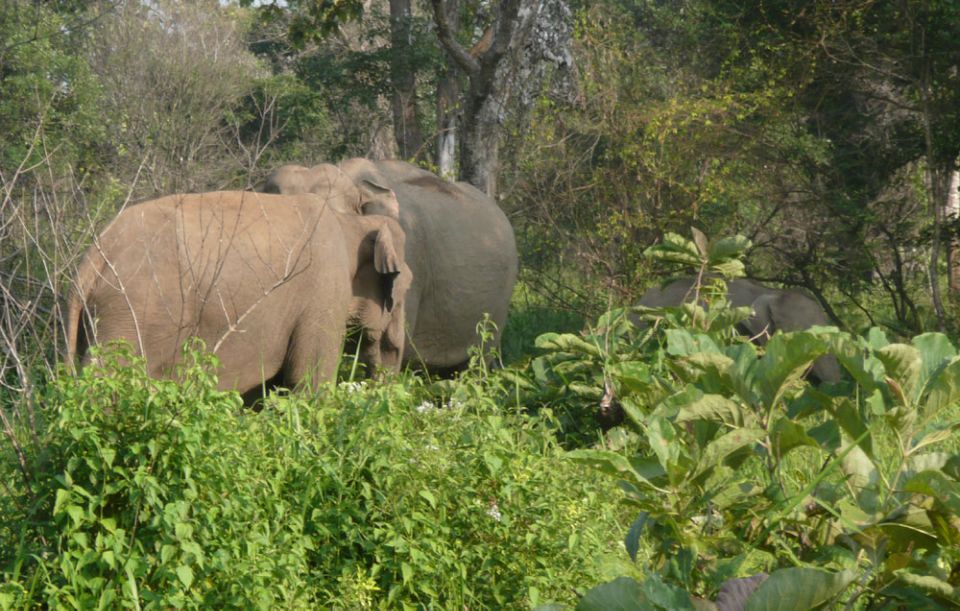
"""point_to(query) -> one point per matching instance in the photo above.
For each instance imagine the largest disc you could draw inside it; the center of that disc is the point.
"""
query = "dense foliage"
(173, 494)
(826, 132)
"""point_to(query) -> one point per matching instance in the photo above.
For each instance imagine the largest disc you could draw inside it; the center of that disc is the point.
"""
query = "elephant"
(773, 310)
(270, 283)
(460, 247)
(336, 187)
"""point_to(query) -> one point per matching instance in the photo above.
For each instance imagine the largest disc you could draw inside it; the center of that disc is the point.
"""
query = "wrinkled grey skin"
(774, 310)
(461, 250)
(269, 282)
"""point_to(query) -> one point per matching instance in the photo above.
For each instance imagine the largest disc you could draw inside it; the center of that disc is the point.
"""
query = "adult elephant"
(326, 180)
(773, 310)
(461, 250)
(269, 282)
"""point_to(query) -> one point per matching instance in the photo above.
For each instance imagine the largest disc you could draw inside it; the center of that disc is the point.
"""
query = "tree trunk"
(403, 76)
(480, 143)
(448, 96)
(951, 211)
(479, 134)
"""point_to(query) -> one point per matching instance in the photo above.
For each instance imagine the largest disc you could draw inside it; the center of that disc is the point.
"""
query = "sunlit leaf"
(621, 594)
(936, 485)
(902, 364)
(566, 342)
(724, 446)
(943, 390)
(712, 407)
(787, 435)
(786, 359)
(610, 463)
(798, 589)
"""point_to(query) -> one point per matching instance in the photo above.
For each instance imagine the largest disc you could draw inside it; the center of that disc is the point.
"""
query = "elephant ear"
(378, 199)
(389, 263)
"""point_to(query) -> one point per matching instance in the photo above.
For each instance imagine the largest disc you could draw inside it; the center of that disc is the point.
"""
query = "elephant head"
(379, 288)
(324, 180)
(791, 311)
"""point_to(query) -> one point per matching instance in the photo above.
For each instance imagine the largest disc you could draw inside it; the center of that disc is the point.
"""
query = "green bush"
(162, 494)
(742, 470)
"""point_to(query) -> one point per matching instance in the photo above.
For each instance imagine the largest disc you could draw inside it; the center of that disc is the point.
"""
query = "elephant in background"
(270, 283)
(773, 310)
(461, 250)
(337, 188)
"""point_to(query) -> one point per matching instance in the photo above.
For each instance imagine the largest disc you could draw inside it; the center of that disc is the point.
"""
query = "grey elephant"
(269, 282)
(773, 310)
(460, 247)
(332, 184)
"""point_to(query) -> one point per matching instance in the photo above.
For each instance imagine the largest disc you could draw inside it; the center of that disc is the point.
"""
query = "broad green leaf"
(930, 584)
(935, 434)
(877, 338)
(735, 493)
(787, 435)
(621, 594)
(681, 342)
(799, 589)
(726, 318)
(861, 473)
(716, 408)
(827, 435)
(943, 390)
(665, 596)
(663, 441)
(632, 540)
(671, 405)
(428, 496)
(935, 352)
(634, 376)
(185, 574)
(726, 248)
(702, 243)
(866, 370)
(847, 415)
(936, 485)
(724, 446)
(610, 463)
(63, 498)
(902, 364)
(710, 362)
(566, 342)
(787, 358)
(674, 249)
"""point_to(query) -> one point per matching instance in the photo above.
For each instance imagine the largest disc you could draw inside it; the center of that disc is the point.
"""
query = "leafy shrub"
(740, 468)
(163, 494)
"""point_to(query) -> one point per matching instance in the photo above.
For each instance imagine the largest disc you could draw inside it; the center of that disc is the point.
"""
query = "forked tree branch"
(461, 56)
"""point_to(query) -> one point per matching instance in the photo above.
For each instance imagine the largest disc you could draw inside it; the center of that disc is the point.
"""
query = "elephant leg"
(313, 355)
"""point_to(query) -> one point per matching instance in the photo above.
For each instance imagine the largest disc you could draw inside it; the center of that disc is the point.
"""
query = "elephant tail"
(90, 269)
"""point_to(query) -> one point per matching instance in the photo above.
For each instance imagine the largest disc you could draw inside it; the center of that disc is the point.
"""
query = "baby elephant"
(269, 282)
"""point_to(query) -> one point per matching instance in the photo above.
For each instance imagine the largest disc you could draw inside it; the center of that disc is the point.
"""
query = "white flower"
(494, 512)
(352, 387)
(454, 403)
(425, 407)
